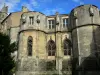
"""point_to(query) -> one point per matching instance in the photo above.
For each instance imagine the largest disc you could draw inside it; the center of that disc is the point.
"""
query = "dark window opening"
(31, 20)
(51, 48)
(67, 47)
(51, 24)
(30, 43)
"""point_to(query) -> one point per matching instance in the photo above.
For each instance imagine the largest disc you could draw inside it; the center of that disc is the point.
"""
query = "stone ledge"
(42, 73)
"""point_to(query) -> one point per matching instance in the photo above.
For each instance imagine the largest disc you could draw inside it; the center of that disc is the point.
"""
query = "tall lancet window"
(51, 46)
(67, 46)
(30, 43)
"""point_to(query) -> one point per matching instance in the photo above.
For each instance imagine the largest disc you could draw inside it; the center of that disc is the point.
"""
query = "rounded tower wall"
(36, 60)
(81, 16)
(38, 48)
(85, 25)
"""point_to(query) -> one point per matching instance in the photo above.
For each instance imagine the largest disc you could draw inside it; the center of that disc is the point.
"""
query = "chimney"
(24, 9)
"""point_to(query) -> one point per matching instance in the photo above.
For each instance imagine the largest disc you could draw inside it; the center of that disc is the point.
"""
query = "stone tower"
(85, 29)
(30, 61)
(3, 12)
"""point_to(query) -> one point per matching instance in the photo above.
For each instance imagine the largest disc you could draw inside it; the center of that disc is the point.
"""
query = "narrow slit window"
(30, 43)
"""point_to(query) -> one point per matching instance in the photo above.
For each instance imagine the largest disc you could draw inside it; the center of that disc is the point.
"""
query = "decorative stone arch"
(67, 46)
(30, 45)
(51, 47)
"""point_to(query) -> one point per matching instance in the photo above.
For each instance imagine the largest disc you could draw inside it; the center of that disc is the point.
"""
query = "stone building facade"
(47, 45)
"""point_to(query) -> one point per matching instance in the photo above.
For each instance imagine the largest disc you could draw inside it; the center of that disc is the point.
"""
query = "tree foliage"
(7, 62)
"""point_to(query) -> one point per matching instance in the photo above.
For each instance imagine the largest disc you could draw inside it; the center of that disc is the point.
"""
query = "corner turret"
(85, 29)
(4, 9)
(3, 13)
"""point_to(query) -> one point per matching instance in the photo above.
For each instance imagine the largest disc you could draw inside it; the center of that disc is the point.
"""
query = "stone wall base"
(42, 73)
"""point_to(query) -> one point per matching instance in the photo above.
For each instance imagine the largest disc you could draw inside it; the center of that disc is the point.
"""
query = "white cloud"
(46, 1)
(31, 4)
(13, 1)
(27, 5)
(78, 1)
(37, 3)
(52, 11)
(10, 3)
(34, 3)
(48, 12)
(1, 3)
(81, 3)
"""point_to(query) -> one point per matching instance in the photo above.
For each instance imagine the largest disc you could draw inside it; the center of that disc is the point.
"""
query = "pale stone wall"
(83, 30)
(41, 35)
(18, 32)
(35, 25)
(37, 62)
(14, 34)
(38, 43)
(84, 25)
(80, 26)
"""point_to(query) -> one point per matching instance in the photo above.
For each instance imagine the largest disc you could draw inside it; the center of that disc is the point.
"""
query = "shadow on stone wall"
(91, 64)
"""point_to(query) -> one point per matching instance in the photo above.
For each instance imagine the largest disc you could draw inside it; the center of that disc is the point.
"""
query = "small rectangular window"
(31, 20)
(51, 24)
(65, 22)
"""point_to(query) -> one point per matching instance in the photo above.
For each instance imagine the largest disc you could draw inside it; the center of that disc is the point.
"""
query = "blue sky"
(48, 7)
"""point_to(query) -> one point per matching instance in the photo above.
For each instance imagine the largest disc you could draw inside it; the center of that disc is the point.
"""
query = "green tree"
(7, 62)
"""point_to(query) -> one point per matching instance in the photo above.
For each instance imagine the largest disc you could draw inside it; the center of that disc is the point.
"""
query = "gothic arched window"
(30, 43)
(51, 48)
(67, 46)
